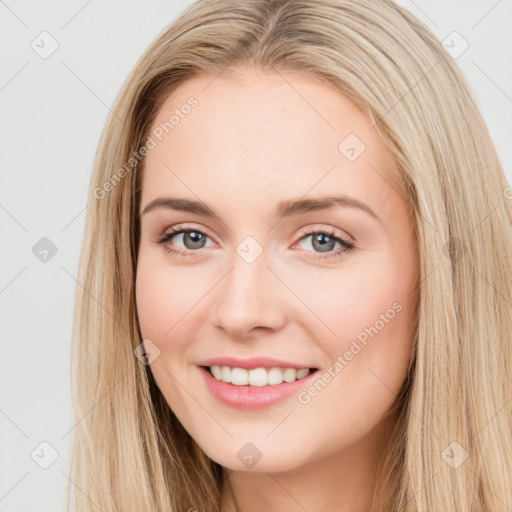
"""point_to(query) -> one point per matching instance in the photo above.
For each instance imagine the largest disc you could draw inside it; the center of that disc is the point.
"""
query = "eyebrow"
(284, 208)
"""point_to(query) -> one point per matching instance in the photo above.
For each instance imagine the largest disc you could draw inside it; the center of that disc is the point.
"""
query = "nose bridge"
(246, 297)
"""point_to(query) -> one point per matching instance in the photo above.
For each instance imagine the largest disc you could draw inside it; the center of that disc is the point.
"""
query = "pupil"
(324, 246)
(195, 238)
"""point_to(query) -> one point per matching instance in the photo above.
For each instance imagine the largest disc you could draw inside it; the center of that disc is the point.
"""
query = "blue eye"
(325, 241)
(194, 239)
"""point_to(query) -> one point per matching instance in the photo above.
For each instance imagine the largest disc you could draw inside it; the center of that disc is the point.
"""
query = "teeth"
(302, 373)
(226, 374)
(275, 376)
(239, 376)
(290, 374)
(258, 376)
(217, 372)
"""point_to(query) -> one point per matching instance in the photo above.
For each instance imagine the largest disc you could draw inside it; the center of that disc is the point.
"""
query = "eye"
(192, 238)
(325, 241)
(322, 240)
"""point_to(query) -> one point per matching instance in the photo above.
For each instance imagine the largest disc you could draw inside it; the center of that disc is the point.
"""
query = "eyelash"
(177, 230)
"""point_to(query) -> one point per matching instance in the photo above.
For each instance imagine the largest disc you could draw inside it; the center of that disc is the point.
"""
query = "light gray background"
(52, 113)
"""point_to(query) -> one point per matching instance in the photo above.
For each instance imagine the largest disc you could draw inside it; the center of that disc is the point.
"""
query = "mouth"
(256, 388)
(257, 377)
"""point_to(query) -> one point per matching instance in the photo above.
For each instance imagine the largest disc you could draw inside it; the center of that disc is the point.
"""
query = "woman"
(296, 289)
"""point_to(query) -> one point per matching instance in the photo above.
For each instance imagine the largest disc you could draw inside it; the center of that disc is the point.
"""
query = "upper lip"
(251, 363)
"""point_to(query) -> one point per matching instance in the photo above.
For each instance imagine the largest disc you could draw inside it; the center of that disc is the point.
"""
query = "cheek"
(153, 304)
(164, 297)
(372, 318)
(369, 311)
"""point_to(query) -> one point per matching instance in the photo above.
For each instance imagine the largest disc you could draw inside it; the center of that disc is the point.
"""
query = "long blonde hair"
(452, 448)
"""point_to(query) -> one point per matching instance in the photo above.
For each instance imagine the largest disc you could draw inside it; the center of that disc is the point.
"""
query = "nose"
(249, 297)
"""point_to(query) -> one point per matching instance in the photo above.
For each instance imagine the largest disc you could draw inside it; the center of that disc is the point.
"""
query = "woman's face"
(257, 276)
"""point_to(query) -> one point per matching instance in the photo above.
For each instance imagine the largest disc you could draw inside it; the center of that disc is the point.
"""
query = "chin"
(258, 458)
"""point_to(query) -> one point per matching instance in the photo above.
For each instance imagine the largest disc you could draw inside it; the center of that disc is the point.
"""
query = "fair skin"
(251, 142)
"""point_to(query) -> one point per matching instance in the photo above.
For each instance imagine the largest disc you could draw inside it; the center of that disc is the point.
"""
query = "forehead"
(257, 136)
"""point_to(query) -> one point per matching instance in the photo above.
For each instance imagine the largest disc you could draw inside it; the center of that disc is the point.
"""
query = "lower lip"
(252, 397)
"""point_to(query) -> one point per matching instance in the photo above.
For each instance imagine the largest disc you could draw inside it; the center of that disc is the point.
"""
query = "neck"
(341, 482)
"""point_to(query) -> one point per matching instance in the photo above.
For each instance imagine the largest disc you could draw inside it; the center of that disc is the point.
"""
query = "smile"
(263, 386)
(258, 377)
